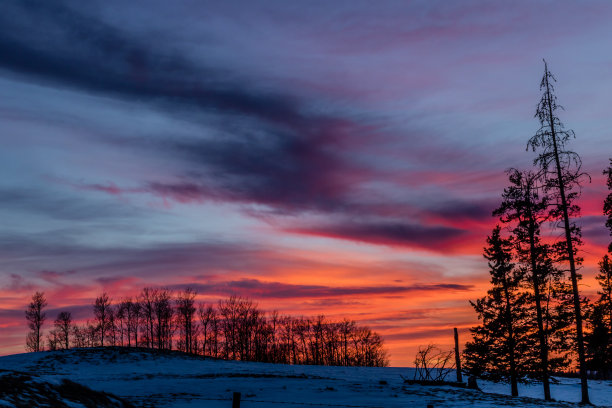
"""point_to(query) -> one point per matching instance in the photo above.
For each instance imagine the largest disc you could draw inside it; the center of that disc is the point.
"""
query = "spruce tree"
(523, 209)
(599, 340)
(605, 266)
(561, 171)
(608, 202)
(498, 348)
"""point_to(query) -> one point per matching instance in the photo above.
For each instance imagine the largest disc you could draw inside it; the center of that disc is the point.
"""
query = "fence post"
(236, 400)
(457, 357)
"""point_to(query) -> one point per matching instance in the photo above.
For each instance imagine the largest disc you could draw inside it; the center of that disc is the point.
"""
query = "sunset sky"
(336, 157)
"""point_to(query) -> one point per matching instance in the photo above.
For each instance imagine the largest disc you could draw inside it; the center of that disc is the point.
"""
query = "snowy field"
(149, 379)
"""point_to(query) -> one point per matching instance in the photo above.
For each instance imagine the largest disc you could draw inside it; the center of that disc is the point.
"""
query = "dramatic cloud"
(393, 234)
(265, 290)
(330, 158)
(102, 58)
(283, 170)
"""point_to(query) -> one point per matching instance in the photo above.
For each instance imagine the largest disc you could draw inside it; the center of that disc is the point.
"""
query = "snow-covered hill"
(19, 389)
(147, 378)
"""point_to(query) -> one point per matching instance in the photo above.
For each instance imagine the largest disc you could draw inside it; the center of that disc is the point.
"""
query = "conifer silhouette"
(560, 169)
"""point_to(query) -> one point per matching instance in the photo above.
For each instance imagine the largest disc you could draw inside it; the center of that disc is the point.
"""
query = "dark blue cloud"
(74, 49)
(392, 233)
(279, 290)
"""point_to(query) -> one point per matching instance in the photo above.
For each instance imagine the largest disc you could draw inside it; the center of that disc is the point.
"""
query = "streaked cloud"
(331, 158)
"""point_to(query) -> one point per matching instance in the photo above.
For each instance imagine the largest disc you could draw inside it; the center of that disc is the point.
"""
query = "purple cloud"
(278, 290)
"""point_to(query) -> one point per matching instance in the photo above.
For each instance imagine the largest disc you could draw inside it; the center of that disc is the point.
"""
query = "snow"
(175, 380)
(567, 389)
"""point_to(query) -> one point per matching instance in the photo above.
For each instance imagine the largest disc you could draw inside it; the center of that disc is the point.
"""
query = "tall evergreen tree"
(561, 171)
(608, 202)
(599, 340)
(36, 316)
(605, 294)
(524, 208)
(605, 266)
(499, 346)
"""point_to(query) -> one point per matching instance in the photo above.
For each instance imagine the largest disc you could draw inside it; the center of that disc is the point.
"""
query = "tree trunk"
(570, 253)
(536, 292)
(511, 343)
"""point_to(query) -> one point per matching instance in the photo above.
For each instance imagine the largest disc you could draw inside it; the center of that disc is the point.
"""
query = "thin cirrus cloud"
(280, 290)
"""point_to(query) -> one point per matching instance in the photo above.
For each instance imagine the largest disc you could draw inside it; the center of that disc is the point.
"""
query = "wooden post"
(457, 357)
(236, 400)
(429, 405)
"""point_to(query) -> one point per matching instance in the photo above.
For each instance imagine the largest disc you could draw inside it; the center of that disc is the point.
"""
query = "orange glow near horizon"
(410, 312)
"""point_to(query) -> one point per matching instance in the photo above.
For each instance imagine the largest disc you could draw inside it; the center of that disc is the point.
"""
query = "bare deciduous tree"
(433, 364)
(147, 300)
(63, 326)
(102, 313)
(185, 313)
(35, 316)
(236, 329)
(207, 315)
(163, 313)
(79, 336)
(53, 340)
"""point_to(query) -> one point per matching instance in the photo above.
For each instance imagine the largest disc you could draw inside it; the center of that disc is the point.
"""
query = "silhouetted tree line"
(531, 319)
(599, 339)
(233, 329)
